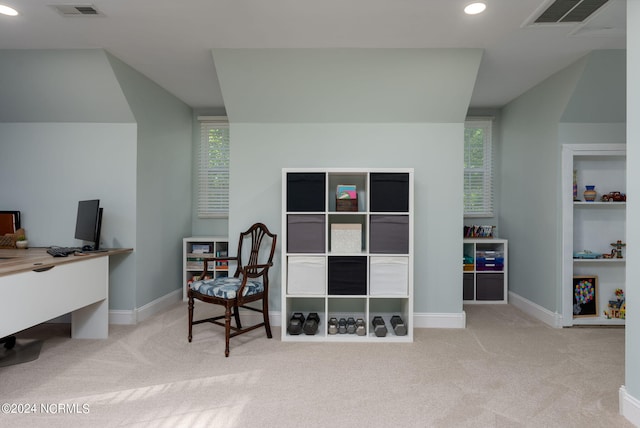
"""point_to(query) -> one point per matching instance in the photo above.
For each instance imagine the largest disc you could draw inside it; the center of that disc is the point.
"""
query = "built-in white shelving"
(485, 277)
(195, 250)
(592, 227)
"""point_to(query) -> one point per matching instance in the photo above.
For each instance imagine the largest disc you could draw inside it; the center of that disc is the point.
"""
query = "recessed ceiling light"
(475, 8)
(6, 10)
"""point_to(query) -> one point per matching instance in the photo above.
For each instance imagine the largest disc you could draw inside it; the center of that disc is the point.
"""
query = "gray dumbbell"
(399, 327)
(361, 327)
(311, 324)
(351, 325)
(295, 323)
(342, 326)
(379, 327)
(333, 326)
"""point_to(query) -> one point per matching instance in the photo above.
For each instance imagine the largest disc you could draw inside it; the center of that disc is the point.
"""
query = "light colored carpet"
(504, 370)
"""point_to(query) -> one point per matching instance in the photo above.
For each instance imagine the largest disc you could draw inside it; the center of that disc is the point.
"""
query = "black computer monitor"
(89, 222)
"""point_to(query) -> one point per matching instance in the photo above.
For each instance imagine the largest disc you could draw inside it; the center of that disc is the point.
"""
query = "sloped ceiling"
(347, 85)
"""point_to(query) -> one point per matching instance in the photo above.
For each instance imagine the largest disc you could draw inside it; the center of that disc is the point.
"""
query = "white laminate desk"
(36, 287)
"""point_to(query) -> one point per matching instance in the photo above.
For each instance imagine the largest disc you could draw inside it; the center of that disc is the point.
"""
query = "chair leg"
(227, 328)
(190, 318)
(265, 315)
(237, 314)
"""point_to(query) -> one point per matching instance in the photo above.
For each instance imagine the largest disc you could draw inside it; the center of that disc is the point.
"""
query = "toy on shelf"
(614, 197)
(586, 254)
(618, 247)
(618, 307)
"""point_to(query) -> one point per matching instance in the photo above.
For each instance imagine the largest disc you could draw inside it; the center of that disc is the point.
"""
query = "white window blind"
(213, 167)
(478, 178)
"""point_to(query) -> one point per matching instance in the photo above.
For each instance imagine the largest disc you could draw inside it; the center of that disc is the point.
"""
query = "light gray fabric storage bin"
(305, 233)
(389, 234)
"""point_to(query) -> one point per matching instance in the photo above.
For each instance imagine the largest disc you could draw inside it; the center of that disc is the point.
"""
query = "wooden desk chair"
(250, 283)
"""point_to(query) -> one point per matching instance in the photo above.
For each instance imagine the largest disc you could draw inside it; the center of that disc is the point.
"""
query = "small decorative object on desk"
(479, 231)
(590, 194)
(22, 242)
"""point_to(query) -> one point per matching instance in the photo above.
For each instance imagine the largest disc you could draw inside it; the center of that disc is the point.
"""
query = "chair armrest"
(259, 270)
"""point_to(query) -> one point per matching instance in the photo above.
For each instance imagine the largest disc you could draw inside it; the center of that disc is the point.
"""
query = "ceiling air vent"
(78, 10)
(569, 11)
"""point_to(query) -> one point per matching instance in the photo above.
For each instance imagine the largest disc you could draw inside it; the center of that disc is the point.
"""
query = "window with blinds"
(213, 168)
(478, 178)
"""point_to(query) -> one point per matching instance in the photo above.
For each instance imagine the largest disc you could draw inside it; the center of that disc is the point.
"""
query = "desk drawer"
(30, 298)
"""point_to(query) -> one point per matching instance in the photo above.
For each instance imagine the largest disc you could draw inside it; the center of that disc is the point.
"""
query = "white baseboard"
(527, 306)
(135, 316)
(440, 320)
(629, 406)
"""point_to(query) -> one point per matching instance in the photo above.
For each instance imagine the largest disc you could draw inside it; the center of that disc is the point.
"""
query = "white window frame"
(479, 176)
(213, 172)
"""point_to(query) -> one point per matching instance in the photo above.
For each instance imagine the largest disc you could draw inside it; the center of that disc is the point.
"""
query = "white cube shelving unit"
(342, 264)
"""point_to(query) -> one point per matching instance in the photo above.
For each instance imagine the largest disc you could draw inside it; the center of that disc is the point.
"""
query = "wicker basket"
(9, 240)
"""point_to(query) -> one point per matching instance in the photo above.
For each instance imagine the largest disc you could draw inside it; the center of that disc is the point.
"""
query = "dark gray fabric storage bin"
(389, 192)
(306, 191)
(490, 286)
(389, 234)
(305, 233)
(347, 275)
(467, 286)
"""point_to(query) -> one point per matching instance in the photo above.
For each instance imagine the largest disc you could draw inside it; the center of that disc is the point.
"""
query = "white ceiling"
(170, 41)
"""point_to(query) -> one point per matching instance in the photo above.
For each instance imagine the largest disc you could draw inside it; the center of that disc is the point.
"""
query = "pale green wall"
(355, 108)
(163, 184)
(600, 93)
(530, 176)
(561, 110)
(83, 157)
(429, 148)
(112, 134)
(632, 292)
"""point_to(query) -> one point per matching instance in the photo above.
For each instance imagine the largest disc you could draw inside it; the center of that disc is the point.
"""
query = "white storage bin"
(306, 275)
(389, 276)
